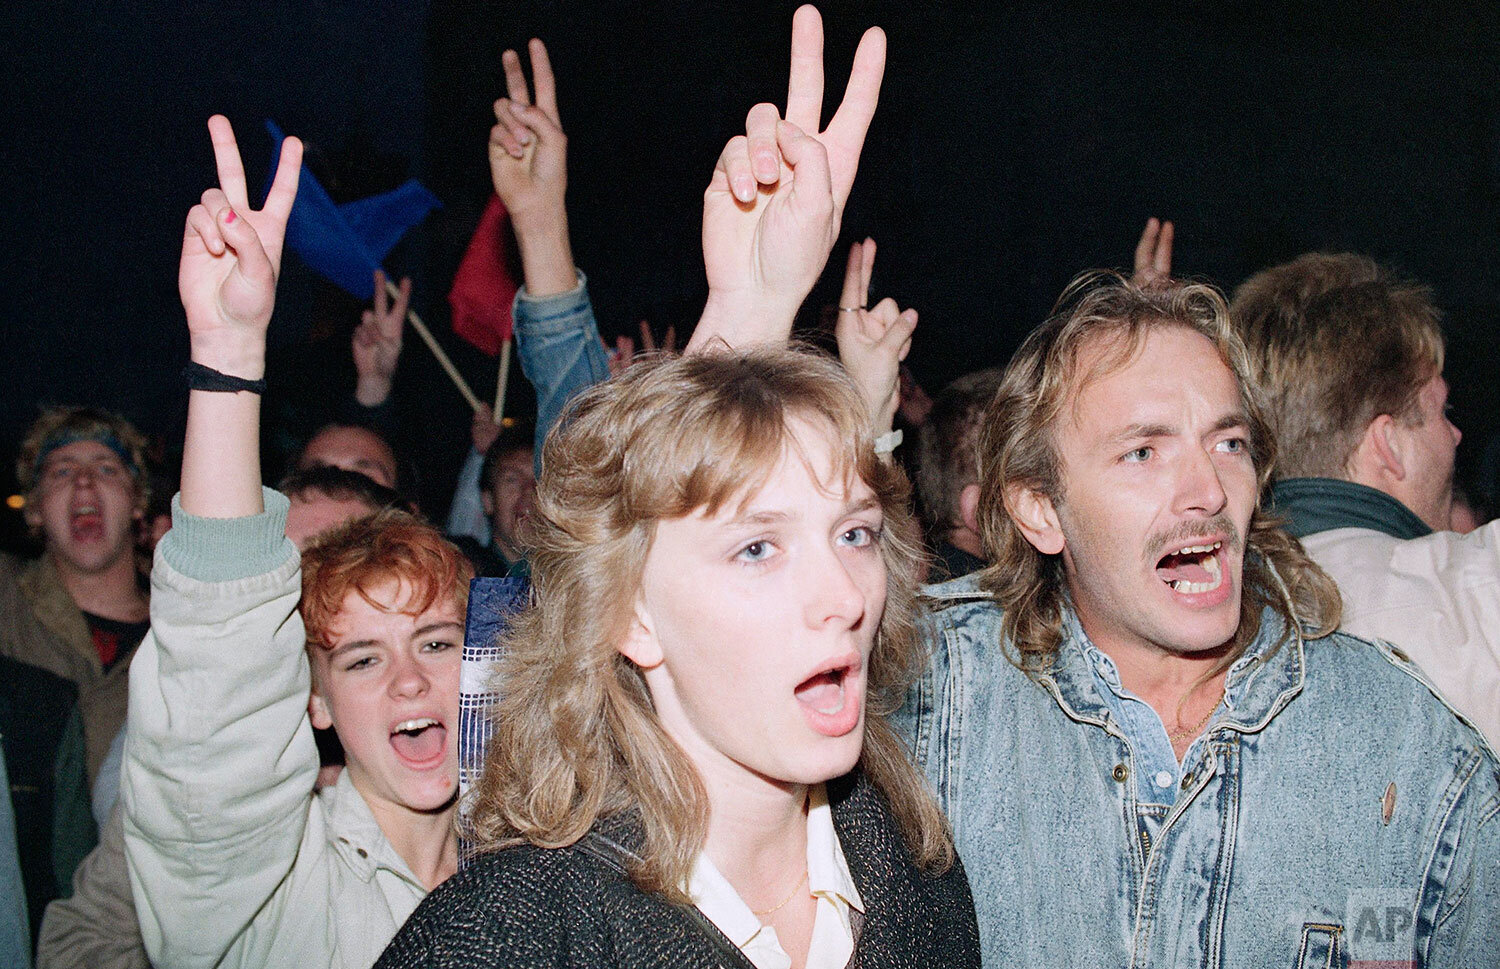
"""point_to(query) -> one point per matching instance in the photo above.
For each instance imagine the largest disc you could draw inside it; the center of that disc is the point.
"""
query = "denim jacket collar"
(1260, 683)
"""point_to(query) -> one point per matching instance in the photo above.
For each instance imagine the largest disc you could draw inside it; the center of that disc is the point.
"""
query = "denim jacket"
(558, 343)
(561, 354)
(1335, 811)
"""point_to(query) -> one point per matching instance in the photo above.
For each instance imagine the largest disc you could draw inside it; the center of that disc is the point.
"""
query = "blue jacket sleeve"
(558, 342)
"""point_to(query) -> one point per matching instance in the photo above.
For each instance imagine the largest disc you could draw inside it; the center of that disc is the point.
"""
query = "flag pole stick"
(437, 351)
(502, 380)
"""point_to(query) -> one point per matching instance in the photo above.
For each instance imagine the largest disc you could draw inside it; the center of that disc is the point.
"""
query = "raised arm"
(872, 342)
(772, 210)
(529, 166)
(231, 258)
(219, 755)
(557, 338)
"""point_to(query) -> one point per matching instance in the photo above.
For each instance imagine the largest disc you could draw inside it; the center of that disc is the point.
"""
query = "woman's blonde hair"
(1018, 446)
(576, 738)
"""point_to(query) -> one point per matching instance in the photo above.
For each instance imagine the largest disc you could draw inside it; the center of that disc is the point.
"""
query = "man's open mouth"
(1192, 569)
(86, 521)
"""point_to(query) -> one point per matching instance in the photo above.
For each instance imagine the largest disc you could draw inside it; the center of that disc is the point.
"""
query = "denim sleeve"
(558, 342)
(1462, 904)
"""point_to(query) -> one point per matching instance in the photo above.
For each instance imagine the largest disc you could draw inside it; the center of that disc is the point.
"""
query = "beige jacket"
(95, 927)
(40, 625)
(1436, 597)
(234, 861)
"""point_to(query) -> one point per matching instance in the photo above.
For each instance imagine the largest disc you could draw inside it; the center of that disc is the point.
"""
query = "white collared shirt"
(828, 880)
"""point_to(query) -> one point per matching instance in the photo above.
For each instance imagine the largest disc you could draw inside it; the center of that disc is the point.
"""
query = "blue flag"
(346, 243)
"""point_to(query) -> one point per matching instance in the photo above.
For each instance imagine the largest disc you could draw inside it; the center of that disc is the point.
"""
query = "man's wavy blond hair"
(576, 738)
(1018, 446)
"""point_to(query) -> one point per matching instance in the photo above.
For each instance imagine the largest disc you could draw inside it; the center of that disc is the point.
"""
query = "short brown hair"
(1336, 340)
(58, 426)
(1018, 446)
(576, 736)
(948, 445)
(365, 553)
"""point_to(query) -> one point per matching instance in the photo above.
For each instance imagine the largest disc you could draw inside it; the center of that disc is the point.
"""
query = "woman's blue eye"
(1139, 454)
(858, 537)
(756, 552)
(1234, 445)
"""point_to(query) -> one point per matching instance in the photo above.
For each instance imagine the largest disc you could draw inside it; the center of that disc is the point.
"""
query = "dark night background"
(1014, 146)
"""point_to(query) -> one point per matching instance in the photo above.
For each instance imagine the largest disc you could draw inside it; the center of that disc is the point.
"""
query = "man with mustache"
(1154, 748)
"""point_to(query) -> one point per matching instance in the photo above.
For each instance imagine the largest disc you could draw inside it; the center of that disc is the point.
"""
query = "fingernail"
(228, 219)
(744, 188)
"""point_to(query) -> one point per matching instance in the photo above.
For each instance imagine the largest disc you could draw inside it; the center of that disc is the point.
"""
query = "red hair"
(367, 553)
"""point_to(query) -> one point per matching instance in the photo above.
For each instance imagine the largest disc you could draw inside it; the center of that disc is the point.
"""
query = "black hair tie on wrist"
(200, 377)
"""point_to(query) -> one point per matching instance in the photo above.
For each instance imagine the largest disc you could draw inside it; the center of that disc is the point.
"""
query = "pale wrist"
(546, 257)
(743, 319)
(371, 390)
(884, 416)
(236, 355)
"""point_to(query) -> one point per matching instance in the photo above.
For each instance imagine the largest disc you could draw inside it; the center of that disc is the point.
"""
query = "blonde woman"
(690, 764)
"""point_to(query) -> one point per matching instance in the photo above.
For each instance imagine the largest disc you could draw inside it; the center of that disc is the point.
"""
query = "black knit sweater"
(528, 907)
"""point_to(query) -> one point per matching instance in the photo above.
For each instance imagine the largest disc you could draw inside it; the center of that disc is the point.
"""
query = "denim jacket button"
(1121, 772)
(1187, 779)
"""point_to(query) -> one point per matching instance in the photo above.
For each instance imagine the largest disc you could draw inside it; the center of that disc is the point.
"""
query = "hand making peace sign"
(872, 342)
(772, 210)
(231, 258)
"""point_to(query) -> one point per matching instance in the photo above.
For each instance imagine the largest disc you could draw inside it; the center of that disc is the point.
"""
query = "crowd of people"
(1174, 655)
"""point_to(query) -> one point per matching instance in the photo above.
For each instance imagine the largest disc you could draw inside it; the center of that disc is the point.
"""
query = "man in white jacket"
(1350, 358)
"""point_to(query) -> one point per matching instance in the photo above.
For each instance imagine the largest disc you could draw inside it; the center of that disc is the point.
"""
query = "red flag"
(483, 287)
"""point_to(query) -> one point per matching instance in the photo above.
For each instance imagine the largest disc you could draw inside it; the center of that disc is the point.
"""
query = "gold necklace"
(782, 904)
(1193, 731)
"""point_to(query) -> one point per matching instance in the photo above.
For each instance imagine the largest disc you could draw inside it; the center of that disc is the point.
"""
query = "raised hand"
(648, 339)
(483, 430)
(529, 166)
(377, 342)
(1153, 255)
(621, 356)
(528, 150)
(231, 258)
(872, 342)
(773, 207)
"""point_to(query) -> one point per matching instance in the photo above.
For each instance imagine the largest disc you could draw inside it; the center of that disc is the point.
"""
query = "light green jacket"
(234, 861)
